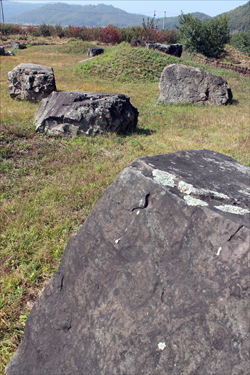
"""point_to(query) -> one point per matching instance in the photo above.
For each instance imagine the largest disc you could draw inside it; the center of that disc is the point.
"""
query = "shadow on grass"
(138, 131)
(234, 102)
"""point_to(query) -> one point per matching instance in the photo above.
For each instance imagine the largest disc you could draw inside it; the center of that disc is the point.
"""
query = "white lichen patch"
(244, 192)
(233, 209)
(161, 345)
(194, 201)
(219, 195)
(186, 188)
(163, 178)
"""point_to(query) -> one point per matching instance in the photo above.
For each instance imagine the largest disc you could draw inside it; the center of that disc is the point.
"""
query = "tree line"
(208, 38)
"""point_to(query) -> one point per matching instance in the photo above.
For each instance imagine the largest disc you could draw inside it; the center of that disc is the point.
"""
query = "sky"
(149, 7)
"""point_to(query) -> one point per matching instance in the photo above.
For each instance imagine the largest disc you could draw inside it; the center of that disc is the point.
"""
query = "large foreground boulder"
(80, 112)
(185, 84)
(31, 82)
(156, 281)
(170, 49)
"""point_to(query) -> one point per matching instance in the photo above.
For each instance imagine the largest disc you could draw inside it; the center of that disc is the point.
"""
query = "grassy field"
(48, 186)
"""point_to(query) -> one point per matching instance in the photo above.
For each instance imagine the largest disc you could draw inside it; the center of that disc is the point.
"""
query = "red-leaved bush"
(109, 34)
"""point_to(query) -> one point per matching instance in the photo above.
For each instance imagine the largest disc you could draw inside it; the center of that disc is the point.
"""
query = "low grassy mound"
(125, 64)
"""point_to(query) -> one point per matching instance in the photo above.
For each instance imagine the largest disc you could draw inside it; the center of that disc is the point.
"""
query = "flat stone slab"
(185, 84)
(85, 112)
(156, 281)
(31, 82)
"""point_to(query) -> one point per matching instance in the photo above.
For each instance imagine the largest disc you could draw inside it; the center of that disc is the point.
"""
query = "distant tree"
(208, 38)
(241, 41)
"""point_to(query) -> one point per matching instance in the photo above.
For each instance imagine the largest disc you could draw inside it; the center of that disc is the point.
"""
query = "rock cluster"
(170, 49)
(185, 84)
(79, 112)
(3, 53)
(17, 45)
(156, 281)
(31, 82)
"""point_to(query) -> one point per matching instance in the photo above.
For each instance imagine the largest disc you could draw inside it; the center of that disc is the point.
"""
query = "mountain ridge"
(102, 15)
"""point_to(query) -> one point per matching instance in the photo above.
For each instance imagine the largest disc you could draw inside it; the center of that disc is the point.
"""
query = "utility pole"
(164, 20)
(2, 10)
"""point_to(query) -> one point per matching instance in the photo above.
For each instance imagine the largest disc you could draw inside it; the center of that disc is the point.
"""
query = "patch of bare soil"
(235, 57)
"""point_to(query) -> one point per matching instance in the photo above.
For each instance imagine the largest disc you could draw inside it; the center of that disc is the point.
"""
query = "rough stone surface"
(31, 82)
(17, 45)
(89, 113)
(94, 51)
(152, 283)
(170, 49)
(185, 84)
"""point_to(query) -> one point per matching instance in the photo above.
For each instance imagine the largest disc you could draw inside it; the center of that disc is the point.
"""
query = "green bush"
(208, 38)
(241, 42)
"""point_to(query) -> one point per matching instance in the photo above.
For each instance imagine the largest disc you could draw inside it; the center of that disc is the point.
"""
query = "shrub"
(241, 41)
(208, 38)
(109, 34)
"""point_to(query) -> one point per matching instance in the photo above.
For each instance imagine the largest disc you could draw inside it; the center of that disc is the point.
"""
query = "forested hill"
(77, 15)
(13, 8)
(239, 18)
(102, 15)
(89, 15)
(172, 22)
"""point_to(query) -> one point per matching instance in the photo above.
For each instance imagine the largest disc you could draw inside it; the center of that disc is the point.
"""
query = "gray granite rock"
(90, 113)
(185, 84)
(156, 281)
(31, 82)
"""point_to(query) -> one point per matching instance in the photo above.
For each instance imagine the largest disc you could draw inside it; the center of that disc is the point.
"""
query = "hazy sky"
(172, 8)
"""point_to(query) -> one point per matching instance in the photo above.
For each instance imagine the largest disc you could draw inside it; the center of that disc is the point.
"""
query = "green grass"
(48, 186)
(126, 64)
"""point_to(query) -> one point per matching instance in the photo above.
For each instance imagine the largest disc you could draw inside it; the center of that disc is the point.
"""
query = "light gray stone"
(31, 82)
(185, 84)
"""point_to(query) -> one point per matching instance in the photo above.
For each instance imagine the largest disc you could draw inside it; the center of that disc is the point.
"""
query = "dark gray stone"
(31, 82)
(185, 84)
(156, 281)
(10, 53)
(89, 113)
(17, 45)
(2, 51)
(170, 49)
(94, 51)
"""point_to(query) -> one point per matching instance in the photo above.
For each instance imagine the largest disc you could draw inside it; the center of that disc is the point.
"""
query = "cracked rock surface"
(153, 282)
(186, 84)
(31, 82)
(81, 112)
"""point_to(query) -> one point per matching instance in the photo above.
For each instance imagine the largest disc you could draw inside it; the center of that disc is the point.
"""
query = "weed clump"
(124, 64)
